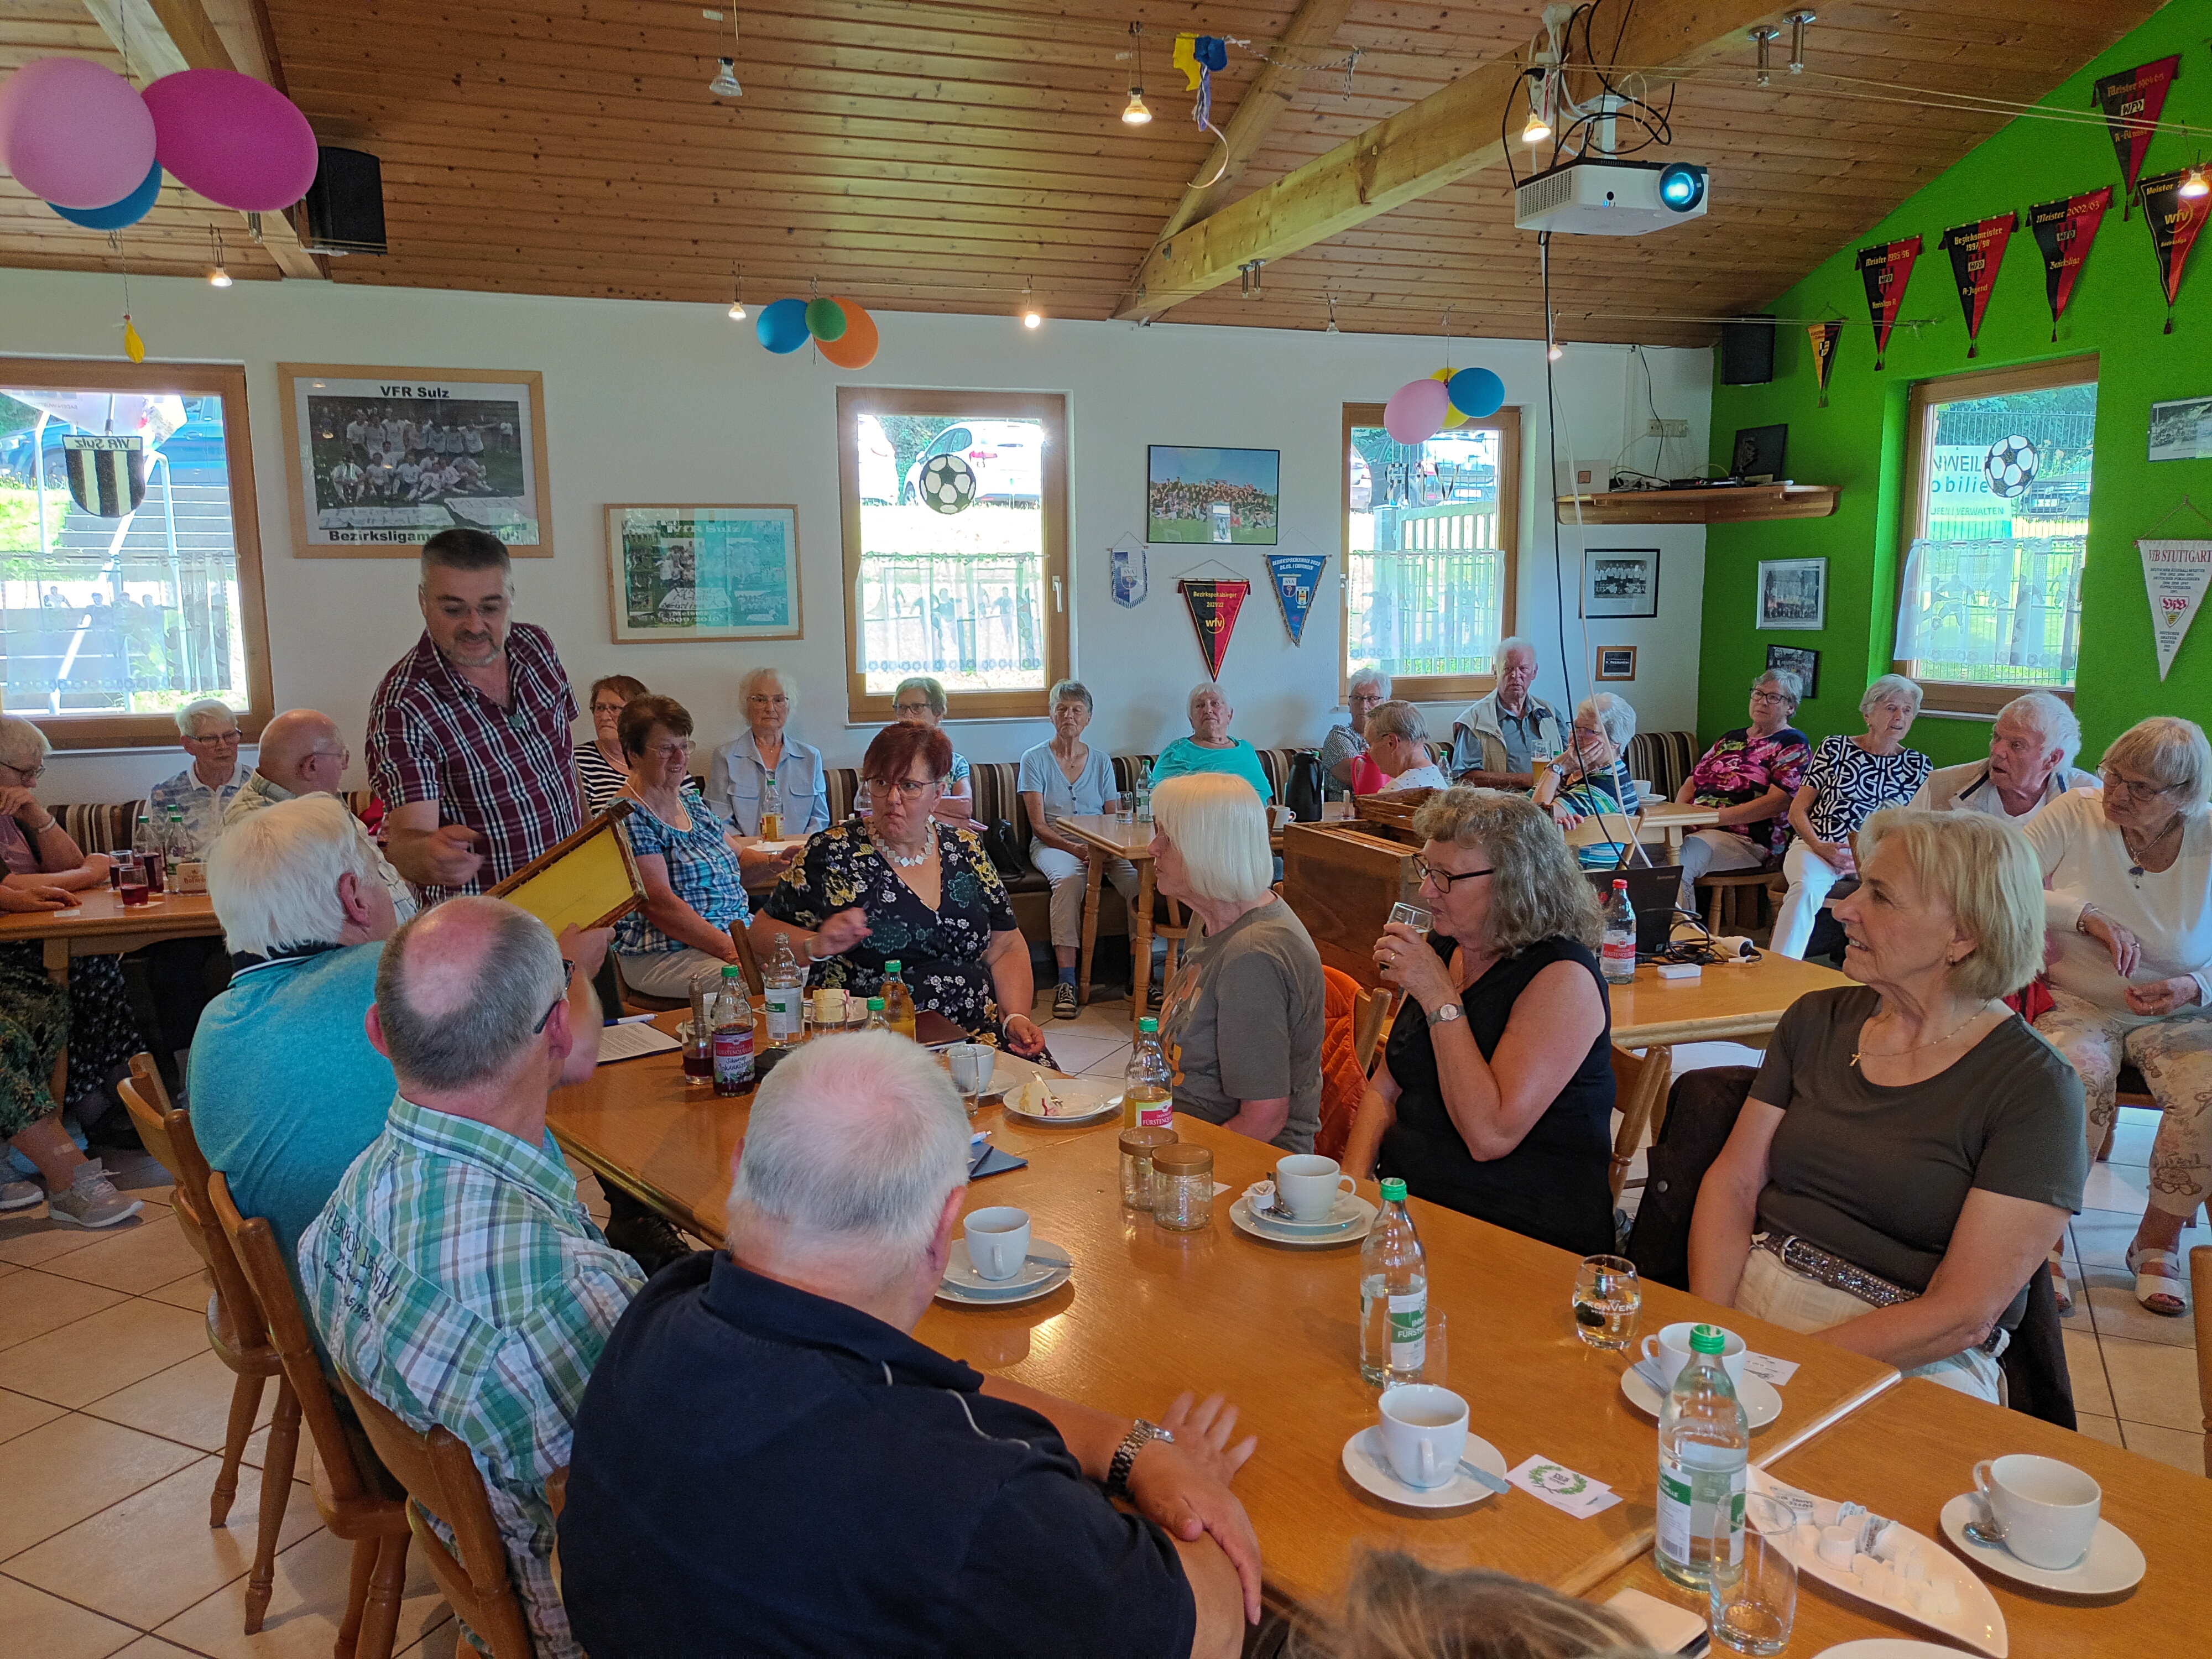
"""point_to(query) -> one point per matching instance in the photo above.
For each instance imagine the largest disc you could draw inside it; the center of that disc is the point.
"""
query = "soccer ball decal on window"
(2010, 466)
(948, 484)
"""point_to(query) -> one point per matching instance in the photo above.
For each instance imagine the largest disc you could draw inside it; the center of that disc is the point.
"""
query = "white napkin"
(1769, 1370)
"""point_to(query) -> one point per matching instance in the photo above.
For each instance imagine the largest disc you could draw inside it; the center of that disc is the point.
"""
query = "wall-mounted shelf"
(1738, 504)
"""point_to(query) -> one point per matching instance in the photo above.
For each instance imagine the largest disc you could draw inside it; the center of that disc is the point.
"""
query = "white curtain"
(2001, 611)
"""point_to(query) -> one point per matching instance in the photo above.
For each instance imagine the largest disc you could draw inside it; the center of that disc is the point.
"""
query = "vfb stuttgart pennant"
(106, 476)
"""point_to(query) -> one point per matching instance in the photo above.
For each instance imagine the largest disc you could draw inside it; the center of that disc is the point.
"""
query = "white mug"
(998, 1240)
(1424, 1431)
(972, 1065)
(2048, 1509)
(1674, 1352)
(1310, 1184)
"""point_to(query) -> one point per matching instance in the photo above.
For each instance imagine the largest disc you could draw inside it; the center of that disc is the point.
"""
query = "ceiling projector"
(1594, 195)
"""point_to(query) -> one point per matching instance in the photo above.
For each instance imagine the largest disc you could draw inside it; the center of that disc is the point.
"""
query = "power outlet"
(1657, 427)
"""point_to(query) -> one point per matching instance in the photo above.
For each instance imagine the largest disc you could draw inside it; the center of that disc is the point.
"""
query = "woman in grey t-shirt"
(1911, 1150)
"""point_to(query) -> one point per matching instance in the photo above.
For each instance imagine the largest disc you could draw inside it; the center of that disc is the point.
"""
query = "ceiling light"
(737, 299)
(217, 278)
(1538, 128)
(2195, 186)
(1031, 316)
(1557, 351)
(1332, 328)
(1136, 115)
(725, 83)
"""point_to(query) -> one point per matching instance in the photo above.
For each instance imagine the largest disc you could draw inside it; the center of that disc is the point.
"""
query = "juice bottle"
(1147, 1082)
(733, 1035)
(898, 1002)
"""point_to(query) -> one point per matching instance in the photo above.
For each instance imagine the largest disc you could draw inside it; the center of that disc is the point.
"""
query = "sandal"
(2160, 1285)
(2059, 1288)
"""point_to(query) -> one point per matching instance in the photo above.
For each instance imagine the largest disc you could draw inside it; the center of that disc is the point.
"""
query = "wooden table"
(1910, 1451)
(1673, 821)
(100, 924)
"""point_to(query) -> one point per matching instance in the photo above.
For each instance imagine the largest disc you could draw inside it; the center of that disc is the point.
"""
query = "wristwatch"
(1445, 1015)
(1141, 1434)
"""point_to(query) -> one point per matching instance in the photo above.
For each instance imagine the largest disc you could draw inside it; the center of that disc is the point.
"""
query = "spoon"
(1988, 1532)
(1483, 1477)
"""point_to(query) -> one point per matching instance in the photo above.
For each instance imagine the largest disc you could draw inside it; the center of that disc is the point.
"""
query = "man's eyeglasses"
(216, 740)
(567, 968)
(904, 788)
(1424, 871)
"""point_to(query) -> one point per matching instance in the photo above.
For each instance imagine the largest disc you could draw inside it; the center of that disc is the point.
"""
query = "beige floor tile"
(2153, 1382)
(94, 1358)
(28, 1238)
(2123, 1188)
(2112, 1305)
(1079, 1052)
(304, 1614)
(189, 1293)
(2102, 1238)
(152, 1647)
(443, 1643)
(33, 1303)
(189, 1402)
(41, 1626)
(152, 1555)
(73, 1466)
(7, 1267)
(2131, 1143)
(2106, 1429)
(2085, 1364)
(1112, 1063)
(2184, 1449)
(19, 1414)
(140, 1260)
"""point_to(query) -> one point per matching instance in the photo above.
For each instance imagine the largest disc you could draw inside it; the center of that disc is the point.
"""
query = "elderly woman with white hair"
(766, 770)
(1910, 1149)
(1340, 750)
(2031, 763)
(203, 791)
(1243, 1017)
(1590, 778)
(1398, 743)
(1209, 748)
(2128, 871)
(1067, 777)
(1847, 782)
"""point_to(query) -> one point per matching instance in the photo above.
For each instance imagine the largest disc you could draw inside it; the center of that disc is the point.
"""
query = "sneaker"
(92, 1200)
(1063, 1001)
(20, 1194)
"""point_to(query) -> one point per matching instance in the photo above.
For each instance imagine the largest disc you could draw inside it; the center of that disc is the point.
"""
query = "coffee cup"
(998, 1240)
(1424, 1431)
(2047, 1509)
(1310, 1184)
(1670, 1350)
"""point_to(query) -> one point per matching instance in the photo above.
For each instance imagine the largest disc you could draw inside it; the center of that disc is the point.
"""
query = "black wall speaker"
(344, 211)
(1747, 352)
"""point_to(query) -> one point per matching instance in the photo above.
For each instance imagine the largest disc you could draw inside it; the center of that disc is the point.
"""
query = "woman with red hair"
(902, 886)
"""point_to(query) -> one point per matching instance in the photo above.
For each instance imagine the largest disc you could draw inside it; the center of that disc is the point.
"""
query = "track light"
(725, 83)
(1031, 316)
(2195, 187)
(219, 277)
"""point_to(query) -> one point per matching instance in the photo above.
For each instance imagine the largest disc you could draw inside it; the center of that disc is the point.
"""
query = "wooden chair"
(1370, 1017)
(639, 1002)
(443, 1483)
(235, 1329)
(1724, 894)
(2200, 1301)
(2129, 1089)
(755, 986)
(356, 1496)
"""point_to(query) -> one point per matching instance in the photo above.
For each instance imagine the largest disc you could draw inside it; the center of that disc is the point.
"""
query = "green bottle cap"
(1148, 1026)
(890, 968)
(875, 1005)
(1394, 1190)
(1708, 1339)
(730, 971)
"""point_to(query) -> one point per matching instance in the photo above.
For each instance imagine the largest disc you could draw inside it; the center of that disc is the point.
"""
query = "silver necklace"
(928, 845)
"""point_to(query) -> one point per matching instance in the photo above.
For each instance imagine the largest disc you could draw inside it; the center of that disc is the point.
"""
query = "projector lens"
(1682, 186)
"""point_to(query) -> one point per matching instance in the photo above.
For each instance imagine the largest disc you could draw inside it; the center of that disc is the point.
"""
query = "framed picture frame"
(1759, 451)
(1793, 593)
(722, 571)
(1217, 496)
(1805, 665)
(381, 459)
(1620, 582)
(1614, 662)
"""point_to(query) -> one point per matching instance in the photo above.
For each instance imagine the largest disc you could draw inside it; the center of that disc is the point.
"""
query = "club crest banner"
(1125, 575)
(1297, 577)
(2173, 221)
(1824, 338)
(2174, 575)
(2132, 101)
(106, 476)
(2064, 231)
(1214, 605)
(1977, 253)
(1885, 270)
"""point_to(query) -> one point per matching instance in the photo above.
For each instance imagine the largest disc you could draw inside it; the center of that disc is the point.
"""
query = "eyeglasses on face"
(904, 788)
(761, 700)
(2118, 783)
(912, 708)
(1761, 693)
(216, 739)
(28, 774)
(567, 968)
(607, 707)
(675, 749)
(1424, 871)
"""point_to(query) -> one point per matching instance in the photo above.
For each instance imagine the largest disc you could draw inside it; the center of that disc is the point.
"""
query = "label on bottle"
(1682, 1519)
(1409, 1331)
(785, 1003)
(1617, 956)
(1158, 1113)
(734, 1059)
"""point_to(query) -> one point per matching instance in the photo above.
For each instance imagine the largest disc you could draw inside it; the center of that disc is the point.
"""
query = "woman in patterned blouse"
(693, 893)
(902, 887)
(1847, 782)
(1750, 774)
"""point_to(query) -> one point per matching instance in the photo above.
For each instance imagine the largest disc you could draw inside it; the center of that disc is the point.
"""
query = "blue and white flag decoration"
(1125, 573)
(1298, 576)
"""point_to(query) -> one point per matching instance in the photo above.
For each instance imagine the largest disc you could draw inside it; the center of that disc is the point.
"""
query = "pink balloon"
(74, 132)
(237, 141)
(1416, 411)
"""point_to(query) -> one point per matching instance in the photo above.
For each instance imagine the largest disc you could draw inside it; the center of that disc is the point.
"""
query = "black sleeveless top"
(1555, 1185)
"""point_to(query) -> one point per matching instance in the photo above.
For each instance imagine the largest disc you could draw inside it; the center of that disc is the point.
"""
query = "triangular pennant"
(2174, 575)
(2065, 230)
(1977, 253)
(106, 476)
(2174, 221)
(1297, 575)
(1214, 605)
(2132, 101)
(1824, 335)
(1886, 270)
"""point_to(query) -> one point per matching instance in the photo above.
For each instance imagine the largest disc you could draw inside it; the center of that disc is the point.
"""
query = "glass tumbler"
(1183, 1187)
(1608, 1298)
(1753, 1599)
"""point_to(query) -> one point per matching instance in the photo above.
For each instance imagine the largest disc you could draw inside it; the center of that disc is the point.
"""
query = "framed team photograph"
(1793, 593)
(1620, 582)
(1805, 665)
(722, 572)
(1615, 662)
(381, 459)
(1212, 494)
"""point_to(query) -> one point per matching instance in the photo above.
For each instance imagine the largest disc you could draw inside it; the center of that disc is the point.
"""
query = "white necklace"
(928, 845)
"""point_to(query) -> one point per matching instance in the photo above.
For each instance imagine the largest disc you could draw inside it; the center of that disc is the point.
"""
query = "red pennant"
(2065, 230)
(1977, 252)
(1824, 335)
(1885, 270)
(2132, 101)
(2174, 221)
(1214, 605)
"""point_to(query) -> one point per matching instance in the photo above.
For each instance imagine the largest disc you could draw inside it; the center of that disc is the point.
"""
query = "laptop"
(1653, 892)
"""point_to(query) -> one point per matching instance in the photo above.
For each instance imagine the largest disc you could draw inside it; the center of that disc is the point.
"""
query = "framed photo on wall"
(1615, 662)
(1793, 593)
(1805, 665)
(1213, 495)
(1620, 582)
(381, 459)
(703, 572)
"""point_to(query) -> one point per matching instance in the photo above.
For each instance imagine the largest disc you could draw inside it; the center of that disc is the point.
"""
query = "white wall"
(657, 402)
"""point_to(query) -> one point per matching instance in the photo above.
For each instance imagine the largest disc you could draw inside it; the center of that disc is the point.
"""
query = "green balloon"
(826, 320)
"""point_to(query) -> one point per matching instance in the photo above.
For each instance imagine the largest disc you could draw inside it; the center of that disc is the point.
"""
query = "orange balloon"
(856, 347)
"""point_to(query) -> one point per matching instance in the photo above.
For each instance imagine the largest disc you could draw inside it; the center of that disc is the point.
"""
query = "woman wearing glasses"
(693, 895)
(1494, 1095)
(1750, 774)
(767, 769)
(902, 887)
(600, 766)
(921, 701)
(2127, 872)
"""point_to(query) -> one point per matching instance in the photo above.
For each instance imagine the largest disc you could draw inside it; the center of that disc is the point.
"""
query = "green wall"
(1857, 442)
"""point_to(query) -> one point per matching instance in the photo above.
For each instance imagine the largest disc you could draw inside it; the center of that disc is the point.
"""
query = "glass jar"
(1136, 1148)
(1183, 1187)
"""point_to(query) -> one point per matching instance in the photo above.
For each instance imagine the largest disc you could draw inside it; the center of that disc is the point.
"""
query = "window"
(130, 560)
(1429, 538)
(957, 570)
(1998, 469)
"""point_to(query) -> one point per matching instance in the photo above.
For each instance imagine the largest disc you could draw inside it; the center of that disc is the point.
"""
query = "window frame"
(1980, 698)
(1050, 408)
(1437, 687)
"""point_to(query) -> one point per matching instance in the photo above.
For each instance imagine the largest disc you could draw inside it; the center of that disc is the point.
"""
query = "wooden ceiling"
(938, 156)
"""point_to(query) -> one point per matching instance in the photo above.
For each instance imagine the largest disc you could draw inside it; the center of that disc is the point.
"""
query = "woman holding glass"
(1065, 778)
(693, 895)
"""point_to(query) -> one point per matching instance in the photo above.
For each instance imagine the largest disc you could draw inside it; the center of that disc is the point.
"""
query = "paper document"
(630, 1041)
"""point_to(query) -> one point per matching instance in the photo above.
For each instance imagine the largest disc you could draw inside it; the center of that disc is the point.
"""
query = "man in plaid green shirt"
(454, 1274)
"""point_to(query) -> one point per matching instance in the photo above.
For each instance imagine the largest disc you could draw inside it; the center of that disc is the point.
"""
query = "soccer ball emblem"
(948, 484)
(2010, 466)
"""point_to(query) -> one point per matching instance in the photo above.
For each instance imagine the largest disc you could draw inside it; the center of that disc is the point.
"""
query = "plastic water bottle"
(1394, 1295)
(1705, 1446)
(1144, 792)
(783, 987)
(733, 1035)
(1617, 955)
(876, 1020)
(1147, 1082)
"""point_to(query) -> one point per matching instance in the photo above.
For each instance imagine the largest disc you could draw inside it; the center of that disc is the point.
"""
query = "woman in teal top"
(1209, 748)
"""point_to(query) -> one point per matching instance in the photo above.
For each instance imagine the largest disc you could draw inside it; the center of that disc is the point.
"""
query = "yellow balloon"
(1454, 416)
(133, 347)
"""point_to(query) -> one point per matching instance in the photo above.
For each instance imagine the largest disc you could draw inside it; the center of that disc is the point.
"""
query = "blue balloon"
(1475, 392)
(782, 326)
(116, 216)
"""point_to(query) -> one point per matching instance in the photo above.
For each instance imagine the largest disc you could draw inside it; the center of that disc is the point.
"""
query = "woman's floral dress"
(1742, 766)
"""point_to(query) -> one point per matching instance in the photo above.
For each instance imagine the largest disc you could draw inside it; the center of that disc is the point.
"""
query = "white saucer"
(1365, 1462)
(1760, 1401)
(2113, 1564)
(1048, 1268)
(1301, 1237)
(1888, 1647)
(1348, 1212)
